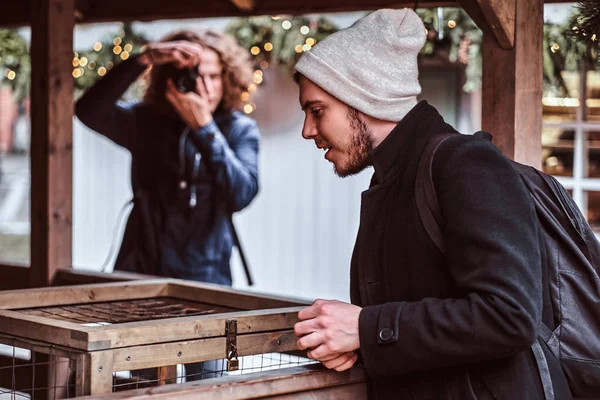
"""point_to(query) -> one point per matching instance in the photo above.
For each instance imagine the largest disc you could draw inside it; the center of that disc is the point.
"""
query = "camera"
(185, 78)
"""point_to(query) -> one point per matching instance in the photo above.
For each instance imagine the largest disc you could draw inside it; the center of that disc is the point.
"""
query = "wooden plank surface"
(51, 137)
(355, 391)
(150, 356)
(43, 297)
(46, 330)
(17, 13)
(186, 328)
(253, 386)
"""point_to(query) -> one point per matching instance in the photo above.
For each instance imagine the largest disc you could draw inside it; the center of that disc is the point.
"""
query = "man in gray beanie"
(425, 325)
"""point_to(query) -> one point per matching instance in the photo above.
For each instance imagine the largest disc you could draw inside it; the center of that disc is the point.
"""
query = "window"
(571, 140)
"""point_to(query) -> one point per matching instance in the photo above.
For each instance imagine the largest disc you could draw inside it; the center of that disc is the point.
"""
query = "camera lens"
(185, 79)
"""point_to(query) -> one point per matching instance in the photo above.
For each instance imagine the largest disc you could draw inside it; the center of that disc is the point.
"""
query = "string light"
(101, 71)
(298, 48)
(124, 55)
(248, 108)
(451, 24)
(252, 88)
(311, 41)
(275, 17)
(258, 79)
(11, 74)
(286, 24)
(264, 64)
(255, 50)
(306, 47)
(109, 65)
(83, 61)
(593, 37)
(75, 62)
(268, 46)
(554, 48)
(76, 73)
(97, 46)
(304, 30)
(117, 41)
(245, 96)
(92, 65)
(128, 47)
(117, 50)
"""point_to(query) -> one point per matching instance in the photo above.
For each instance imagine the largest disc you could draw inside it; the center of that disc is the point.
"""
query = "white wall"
(298, 233)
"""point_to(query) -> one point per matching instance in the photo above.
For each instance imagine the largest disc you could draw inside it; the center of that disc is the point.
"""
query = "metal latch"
(231, 345)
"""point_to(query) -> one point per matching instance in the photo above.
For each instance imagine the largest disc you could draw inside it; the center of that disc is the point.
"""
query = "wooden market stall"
(511, 103)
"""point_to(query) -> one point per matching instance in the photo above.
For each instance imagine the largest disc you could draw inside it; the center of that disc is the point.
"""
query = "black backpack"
(573, 265)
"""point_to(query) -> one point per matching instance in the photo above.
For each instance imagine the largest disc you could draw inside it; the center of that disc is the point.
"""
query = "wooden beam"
(14, 277)
(512, 87)
(185, 328)
(51, 137)
(497, 16)
(281, 382)
(17, 13)
(189, 351)
(244, 5)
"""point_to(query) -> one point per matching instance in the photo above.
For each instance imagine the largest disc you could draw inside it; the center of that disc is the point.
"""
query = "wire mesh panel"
(127, 380)
(31, 370)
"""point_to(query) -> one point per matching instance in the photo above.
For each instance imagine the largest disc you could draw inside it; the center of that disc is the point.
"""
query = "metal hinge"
(231, 345)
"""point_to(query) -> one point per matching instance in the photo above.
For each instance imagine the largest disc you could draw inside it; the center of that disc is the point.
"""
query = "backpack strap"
(425, 197)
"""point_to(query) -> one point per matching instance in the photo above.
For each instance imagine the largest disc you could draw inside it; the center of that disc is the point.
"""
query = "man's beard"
(361, 142)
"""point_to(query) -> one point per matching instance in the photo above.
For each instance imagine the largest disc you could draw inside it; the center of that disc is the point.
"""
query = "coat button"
(386, 334)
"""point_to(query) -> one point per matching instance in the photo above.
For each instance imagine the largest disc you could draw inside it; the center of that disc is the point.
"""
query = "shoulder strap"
(425, 196)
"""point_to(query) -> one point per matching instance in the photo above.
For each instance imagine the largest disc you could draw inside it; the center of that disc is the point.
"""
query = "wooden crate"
(99, 329)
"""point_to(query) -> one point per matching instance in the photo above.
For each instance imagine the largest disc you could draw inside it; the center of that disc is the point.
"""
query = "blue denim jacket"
(184, 182)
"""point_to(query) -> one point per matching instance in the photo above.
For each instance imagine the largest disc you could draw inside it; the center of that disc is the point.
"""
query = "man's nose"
(309, 130)
(208, 85)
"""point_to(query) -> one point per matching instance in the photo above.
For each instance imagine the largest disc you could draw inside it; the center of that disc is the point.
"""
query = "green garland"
(281, 40)
(15, 63)
(91, 65)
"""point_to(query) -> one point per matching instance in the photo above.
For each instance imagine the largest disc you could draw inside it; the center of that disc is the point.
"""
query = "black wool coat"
(458, 326)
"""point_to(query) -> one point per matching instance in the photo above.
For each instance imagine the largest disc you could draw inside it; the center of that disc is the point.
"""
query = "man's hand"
(330, 329)
(180, 53)
(193, 109)
(340, 362)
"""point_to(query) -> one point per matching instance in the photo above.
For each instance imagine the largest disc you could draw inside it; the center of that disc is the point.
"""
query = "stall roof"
(18, 13)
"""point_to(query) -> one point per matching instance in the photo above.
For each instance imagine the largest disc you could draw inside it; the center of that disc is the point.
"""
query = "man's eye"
(317, 112)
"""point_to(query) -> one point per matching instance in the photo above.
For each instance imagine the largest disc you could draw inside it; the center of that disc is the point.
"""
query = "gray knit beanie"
(372, 65)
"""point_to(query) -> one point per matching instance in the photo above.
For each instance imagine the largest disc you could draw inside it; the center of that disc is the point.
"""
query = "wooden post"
(512, 86)
(101, 372)
(51, 137)
(166, 375)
